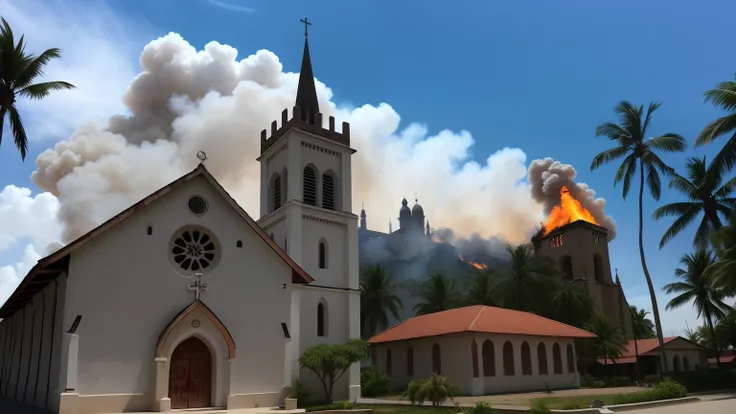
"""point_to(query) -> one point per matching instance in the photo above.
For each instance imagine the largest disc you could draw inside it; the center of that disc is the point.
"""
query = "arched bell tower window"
(277, 192)
(309, 195)
(322, 254)
(322, 318)
(598, 267)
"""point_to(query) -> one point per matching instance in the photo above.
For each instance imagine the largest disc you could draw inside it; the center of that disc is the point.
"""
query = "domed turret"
(404, 215)
(417, 216)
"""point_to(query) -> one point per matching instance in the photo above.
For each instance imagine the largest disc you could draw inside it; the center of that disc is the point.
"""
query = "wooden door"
(190, 376)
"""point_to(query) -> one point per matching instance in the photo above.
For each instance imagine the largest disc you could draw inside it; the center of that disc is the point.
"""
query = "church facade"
(185, 301)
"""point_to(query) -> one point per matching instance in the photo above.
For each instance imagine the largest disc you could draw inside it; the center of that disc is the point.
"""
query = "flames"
(479, 266)
(568, 211)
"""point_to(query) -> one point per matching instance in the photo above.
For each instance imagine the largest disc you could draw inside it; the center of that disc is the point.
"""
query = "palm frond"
(611, 131)
(42, 90)
(654, 184)
(723, 96)
(669, 142)
(34, 67)
(653, 106)
(726, 189)
(675, 209)
(684, 186)
(702, 234)
(608, 155)
(678, 226)
(19, 132)
(627, 170)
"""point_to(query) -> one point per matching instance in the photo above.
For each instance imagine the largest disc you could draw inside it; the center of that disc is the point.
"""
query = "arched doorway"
(190, 375)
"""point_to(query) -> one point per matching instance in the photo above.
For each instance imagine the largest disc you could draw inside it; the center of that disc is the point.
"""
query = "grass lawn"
(396, 409)
(572, 402)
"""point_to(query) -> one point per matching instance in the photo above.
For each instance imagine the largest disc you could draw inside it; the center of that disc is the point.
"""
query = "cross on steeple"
(306, 26)
(197, 286)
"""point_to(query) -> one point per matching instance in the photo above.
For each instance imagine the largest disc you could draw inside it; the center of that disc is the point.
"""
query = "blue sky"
(536, 75)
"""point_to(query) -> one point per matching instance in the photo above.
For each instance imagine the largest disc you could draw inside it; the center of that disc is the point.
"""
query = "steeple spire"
(306, 94)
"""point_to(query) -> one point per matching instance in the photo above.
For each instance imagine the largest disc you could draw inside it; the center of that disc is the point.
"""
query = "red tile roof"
(646, 348)
(726, 357)
(482, 319)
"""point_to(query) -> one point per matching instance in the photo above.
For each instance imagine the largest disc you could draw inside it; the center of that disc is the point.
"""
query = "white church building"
(184, 301)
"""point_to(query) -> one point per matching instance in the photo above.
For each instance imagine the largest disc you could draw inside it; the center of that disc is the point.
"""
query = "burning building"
(579, 246)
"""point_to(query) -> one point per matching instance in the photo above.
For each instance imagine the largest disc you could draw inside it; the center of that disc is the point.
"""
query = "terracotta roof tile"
(646, 347)
(482, 319)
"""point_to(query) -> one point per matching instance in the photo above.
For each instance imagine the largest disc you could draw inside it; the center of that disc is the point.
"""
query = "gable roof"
(481, 319)
(51, 266)
(647, 347)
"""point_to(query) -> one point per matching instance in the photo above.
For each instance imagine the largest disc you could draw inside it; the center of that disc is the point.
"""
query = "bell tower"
(306, 203)
(580, 252)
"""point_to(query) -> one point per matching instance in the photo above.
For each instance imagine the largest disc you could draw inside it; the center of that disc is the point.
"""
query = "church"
(185, 301)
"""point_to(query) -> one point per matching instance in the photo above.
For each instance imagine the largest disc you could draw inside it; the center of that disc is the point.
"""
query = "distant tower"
(580, 251)
(405, 216)
(429, 232)
(390, 229)
(363, 224)
(417, 216)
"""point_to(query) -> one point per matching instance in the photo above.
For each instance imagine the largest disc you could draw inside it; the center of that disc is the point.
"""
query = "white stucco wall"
(457, 363)
(31, 345)
(681, 349)
(124, 285)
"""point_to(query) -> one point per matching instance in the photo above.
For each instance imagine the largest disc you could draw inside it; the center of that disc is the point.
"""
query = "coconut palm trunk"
(652, 293)
(636, 348)
(709, 319)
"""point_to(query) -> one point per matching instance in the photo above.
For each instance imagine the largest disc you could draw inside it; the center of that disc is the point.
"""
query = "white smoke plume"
(547, 177)
(186, 100)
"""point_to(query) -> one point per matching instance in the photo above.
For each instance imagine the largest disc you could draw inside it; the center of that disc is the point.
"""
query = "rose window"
(194, 250)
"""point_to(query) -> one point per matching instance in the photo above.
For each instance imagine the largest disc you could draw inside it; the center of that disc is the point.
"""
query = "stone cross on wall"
(198, 286)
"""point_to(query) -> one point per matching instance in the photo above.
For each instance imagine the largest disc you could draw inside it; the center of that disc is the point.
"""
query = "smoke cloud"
(548, 176)
(185, 100)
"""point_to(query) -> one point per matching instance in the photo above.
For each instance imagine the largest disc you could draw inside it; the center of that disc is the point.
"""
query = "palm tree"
(609, 341)
(526, 284)
(18, 71)
(705, 194)
(437, 294)
(482, 289)
(643, 326)
(640, 153)
(693, 336)
(697, 286)
(378, 300)
(724, 97)
(571, 304)
(723, 272)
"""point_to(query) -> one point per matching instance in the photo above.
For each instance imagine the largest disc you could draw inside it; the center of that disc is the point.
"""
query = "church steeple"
(306, 94)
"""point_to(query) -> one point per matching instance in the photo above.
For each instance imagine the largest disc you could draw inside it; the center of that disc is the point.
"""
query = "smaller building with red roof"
(682, 355)
(482, 349)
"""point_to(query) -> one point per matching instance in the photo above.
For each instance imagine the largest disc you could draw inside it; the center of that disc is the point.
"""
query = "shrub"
(481, 407)
(540, 408)
(339, 405)
(435, 389)
(705, 380)
(662, 391)
(621, 381)
(586, 380)
(374, 383)
(299, 391)
(548, 389)
(598, 384)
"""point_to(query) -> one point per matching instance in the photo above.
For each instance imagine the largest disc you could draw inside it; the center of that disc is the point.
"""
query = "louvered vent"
(310, 187)
(277, 193)
(328, 192)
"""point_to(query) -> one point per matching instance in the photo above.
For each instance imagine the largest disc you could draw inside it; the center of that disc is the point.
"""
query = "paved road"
(714, 405)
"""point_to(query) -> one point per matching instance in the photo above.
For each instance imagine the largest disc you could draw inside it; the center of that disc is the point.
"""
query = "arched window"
(566, 265)
(685, 364)
(321, 319)
(328, 191)
(489, 359)
(508, 359)
(474, 354)
(436, 359)
(570, 359)
(388, 361)
(557, 358)
(409, 362)
(322, 254)
(542, 358)
(309, 195)
(676, 363)
(598, 267)
(526, 359)
(277, 192)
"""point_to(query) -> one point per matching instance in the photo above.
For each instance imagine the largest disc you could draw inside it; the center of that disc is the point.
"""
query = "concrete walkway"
(709, 405)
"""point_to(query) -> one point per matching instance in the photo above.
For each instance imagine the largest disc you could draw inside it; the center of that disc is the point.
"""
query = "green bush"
(299, 391)
(705, 380)
(664, 390)
(598, 384)
(586, 380)
(374, 383)
(621, 381)
(436, 389)
(481, 407)
(539, 408)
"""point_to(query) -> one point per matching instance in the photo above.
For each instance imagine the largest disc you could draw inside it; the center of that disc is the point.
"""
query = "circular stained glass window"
(197, 205)
(194, 250)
